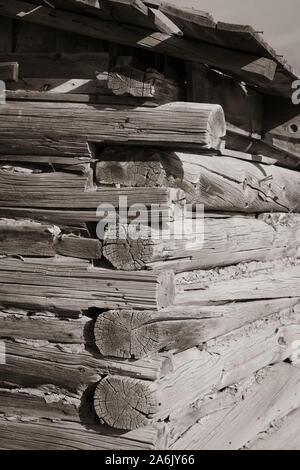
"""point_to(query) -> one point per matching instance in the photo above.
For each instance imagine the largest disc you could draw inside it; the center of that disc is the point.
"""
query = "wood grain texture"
(31, 238)
(219, 182)
(178, 123)
(68, 283)
(244, 66)
(132, 333)
(217, 243)
(245, 281)
(127, 403)
(274, 394)
(283, 434)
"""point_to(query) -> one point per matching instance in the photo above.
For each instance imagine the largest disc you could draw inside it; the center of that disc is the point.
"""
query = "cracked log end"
(126, 334)
(127, 252)
(124, 402)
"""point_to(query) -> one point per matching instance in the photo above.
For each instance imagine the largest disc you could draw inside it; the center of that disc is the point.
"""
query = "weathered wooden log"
(137, 83)
(67, 435)
(135, 334)
(127, 403)
(31, 238)
(245, 66)
(9, 71)
(50, 163)
(70, 367)
(273, 393)
(282, 434)
(183, 124)
(23, 187)
(43, 326)
(221, 242)
(249, 281)
(220, 183)
(68, 283)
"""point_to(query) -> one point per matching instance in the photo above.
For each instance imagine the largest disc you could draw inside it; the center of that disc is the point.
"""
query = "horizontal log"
(220, 183)
(83, 65)
(67, 163)
(137, 334)
(273, 394)
(127, 403)
(283, 434)
(47, 435)
(23, 187)
(239, 140)
(75, 284)
(217, 242)
(9, 71)
(179, 123)
(18, 324)
(70, 367)
(249, 281)
(31, 238)
(245, 66)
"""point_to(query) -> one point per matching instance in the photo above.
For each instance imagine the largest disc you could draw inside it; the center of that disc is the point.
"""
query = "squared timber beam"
(9, 71)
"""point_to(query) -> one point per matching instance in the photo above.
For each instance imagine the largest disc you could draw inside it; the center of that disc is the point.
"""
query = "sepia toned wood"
(283, 434)
(47, 435)
(274, 393)
(190, 244)
(43, 326)
(281, 124)
(9, 71)
(70, 367)
(179, 123)
(6, 34)
(133, 333)
(245, 281)
(150, 84)
(49, 65)
(127, 403)
(244, 66)
(68, 283)
(220, 183)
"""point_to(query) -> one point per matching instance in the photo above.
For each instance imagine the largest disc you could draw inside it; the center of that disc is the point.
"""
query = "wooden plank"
(85, 65)
(135, 334)
(249, 68)
(239, 140)
(283, 434)
(274, 393)
(73, 86)
(223, 362)
(49, 163)
(213, 242)
(9, 71)
(181, 124)
(30, 238)
(249, 281)
(77, 284)
(281, 124)
(219, 182)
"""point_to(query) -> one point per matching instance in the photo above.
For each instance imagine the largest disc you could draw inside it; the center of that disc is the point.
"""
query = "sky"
(279, 19)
